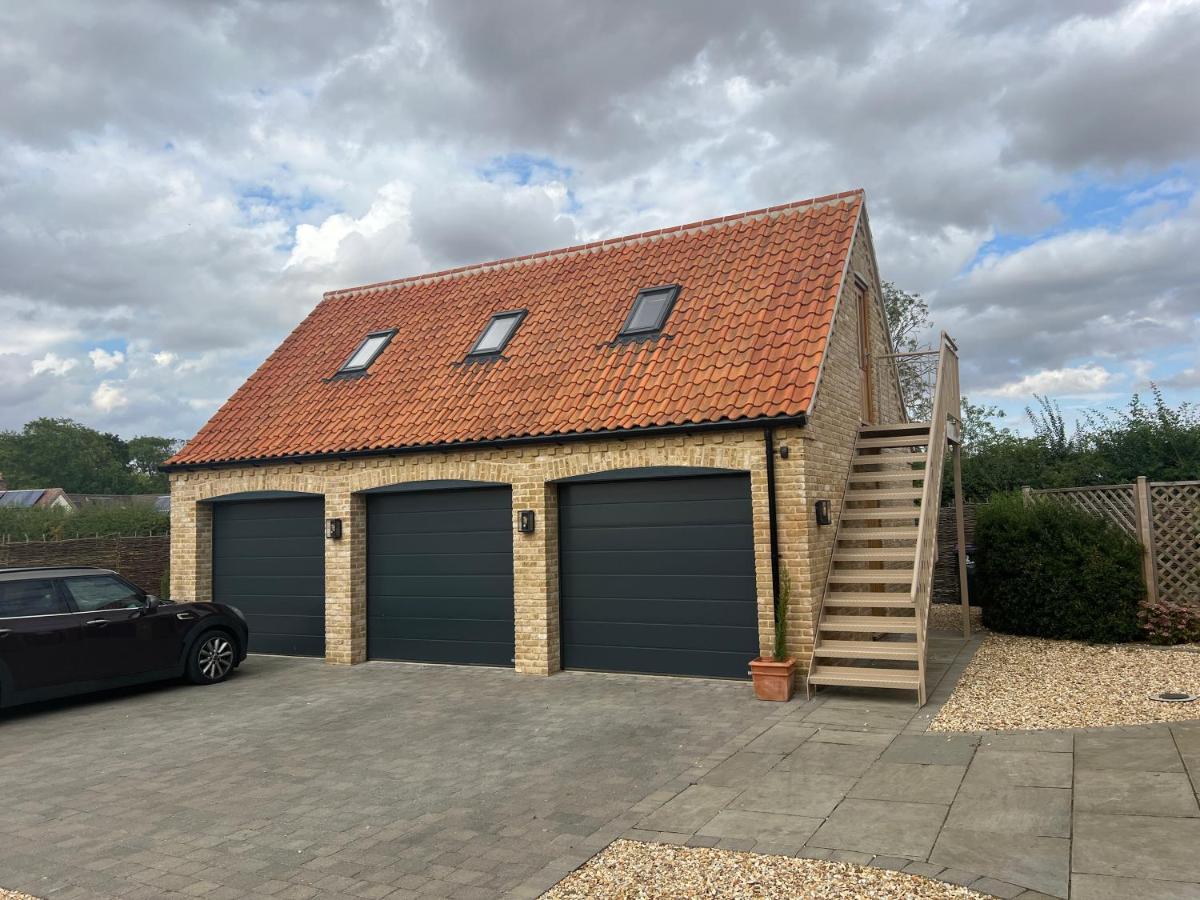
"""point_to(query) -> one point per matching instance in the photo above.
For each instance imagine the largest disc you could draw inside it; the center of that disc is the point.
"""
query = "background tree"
(62, 453)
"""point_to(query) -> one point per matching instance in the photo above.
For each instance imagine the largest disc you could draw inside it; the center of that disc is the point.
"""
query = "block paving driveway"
(297, 780)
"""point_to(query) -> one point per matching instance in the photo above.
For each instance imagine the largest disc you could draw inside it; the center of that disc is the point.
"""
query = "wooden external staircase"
(871, 627)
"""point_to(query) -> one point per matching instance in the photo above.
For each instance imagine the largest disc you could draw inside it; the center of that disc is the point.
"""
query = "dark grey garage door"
(658, 576)
(269, 562)
(440, 576)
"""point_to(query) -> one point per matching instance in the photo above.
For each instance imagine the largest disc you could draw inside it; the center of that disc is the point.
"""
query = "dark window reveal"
(650, 310)
(498, 332)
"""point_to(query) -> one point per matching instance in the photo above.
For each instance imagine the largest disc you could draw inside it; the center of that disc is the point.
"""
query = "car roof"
(17, 573)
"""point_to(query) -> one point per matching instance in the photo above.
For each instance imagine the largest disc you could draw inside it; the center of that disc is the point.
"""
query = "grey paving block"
(1104, 887)
(689, 810)
(831, 759)
(1135, 793)
(1164, 849)
(878, 739)
(958, 876)
(782, 738)
(1045, 741)
(882, 828)
(994, 887)
(993, 770)
(862, 717)
(1152, 752)
(1039, 863)
(851, 856)
(1014, 810)
(929, 870)
(892, 863)
(912, 783)
(932, 749)
(756, 826)
(742, 769)
(796, 792)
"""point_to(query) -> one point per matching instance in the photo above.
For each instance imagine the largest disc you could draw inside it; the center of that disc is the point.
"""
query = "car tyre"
(212, 658)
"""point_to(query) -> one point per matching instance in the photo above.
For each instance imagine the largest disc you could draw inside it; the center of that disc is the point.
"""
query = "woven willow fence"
(1163, 515)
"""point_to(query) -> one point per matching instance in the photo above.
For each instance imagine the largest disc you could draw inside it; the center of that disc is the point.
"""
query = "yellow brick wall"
(816, 468)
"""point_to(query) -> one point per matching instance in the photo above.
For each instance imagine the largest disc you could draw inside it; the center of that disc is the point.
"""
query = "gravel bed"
(15, 895)
(631, 869)
(948, 617)
(1030, 683)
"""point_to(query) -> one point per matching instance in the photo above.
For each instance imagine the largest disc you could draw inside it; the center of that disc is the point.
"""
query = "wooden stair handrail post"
(1145, 529)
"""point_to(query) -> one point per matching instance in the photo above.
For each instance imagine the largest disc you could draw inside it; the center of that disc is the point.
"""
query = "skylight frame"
(346, 370)
(626, 331)
(476, 353)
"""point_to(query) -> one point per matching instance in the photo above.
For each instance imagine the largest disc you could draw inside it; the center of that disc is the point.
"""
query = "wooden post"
(1145, 534)
(960, 524)
(1026, 494)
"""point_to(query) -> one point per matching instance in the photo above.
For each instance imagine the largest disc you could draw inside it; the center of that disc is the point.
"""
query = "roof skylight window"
(360, 360)
(498, 332)
(650, 311)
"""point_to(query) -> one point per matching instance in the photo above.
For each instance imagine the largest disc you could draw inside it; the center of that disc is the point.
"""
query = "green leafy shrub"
(1050, 570)
(90, 521)
(1171, 622)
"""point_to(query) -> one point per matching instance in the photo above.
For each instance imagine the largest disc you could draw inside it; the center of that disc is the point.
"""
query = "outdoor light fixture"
(525, 521)
(783, 451)
(824, 516)
(333, 529)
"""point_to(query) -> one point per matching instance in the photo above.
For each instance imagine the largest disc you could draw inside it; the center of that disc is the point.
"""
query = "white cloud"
(1080, 381)
(53, 364)
(164, 358)
(108, 397)
(105, 361)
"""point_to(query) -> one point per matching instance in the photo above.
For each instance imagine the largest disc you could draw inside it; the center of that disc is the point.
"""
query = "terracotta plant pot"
(773, 680)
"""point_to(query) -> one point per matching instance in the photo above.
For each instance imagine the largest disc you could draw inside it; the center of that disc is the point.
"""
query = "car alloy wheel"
(215, 657)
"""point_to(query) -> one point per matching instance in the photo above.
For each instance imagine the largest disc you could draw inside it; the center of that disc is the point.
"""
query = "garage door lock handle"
(185, 616)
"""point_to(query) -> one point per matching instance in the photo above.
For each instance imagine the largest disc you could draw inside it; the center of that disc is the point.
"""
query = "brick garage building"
(664, 408)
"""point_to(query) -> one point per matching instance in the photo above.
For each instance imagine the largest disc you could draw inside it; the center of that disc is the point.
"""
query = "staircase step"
(879, 599)
(908, 533)
(879, 459)
(894, 427)
(900, 440)
(885, 494)
(893, 650)
(882, 624)
(882, 512)
(871, 554)
(905, 475)
(871, 576)
(861, 676)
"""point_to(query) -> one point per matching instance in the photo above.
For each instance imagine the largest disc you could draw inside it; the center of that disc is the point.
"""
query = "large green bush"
(1049, 570)
(90, 521)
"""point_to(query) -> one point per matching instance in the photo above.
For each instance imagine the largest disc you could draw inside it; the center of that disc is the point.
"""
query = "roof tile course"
(744, 340)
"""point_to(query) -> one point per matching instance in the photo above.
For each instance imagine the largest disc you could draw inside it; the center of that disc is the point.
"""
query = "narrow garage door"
(657, 575)
(269, 562)
(440, 576)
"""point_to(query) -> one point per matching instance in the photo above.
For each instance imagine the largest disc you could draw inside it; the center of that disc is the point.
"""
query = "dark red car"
(72, 630)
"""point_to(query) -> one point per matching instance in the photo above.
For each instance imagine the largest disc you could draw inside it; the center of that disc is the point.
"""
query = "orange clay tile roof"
(745, 340)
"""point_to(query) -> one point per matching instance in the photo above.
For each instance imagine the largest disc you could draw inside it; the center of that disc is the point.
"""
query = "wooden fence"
(142, 560)
(1165, 518)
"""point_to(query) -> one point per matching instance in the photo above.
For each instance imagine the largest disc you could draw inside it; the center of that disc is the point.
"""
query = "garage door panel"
(269, 562)
(659, 576)
(670, 587)
(683, 512)
(658, 610)
(709, 663)
(466, 652)
(660, 563)
(440, 576)
(678, 537)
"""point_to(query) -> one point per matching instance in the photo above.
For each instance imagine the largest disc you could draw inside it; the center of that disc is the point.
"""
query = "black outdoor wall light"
(333, 529)
(824, 515)
(525, 521)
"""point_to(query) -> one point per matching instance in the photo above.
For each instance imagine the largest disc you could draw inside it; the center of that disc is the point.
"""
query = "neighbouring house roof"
(160, 502)
(744, 340)
(39, 498)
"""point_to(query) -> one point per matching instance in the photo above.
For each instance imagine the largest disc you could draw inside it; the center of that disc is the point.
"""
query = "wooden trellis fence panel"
(1163, 515)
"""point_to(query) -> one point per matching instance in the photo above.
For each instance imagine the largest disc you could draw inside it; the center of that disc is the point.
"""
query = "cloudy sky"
(179, 182)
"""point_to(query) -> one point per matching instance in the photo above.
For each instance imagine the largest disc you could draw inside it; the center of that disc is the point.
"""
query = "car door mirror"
(152, 602)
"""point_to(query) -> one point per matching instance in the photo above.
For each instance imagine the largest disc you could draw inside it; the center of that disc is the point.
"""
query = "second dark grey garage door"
(269, 562)
(657, 575)
(440, 576)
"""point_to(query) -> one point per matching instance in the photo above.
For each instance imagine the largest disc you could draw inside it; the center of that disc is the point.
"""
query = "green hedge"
(1050, 570)
(90, 521)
